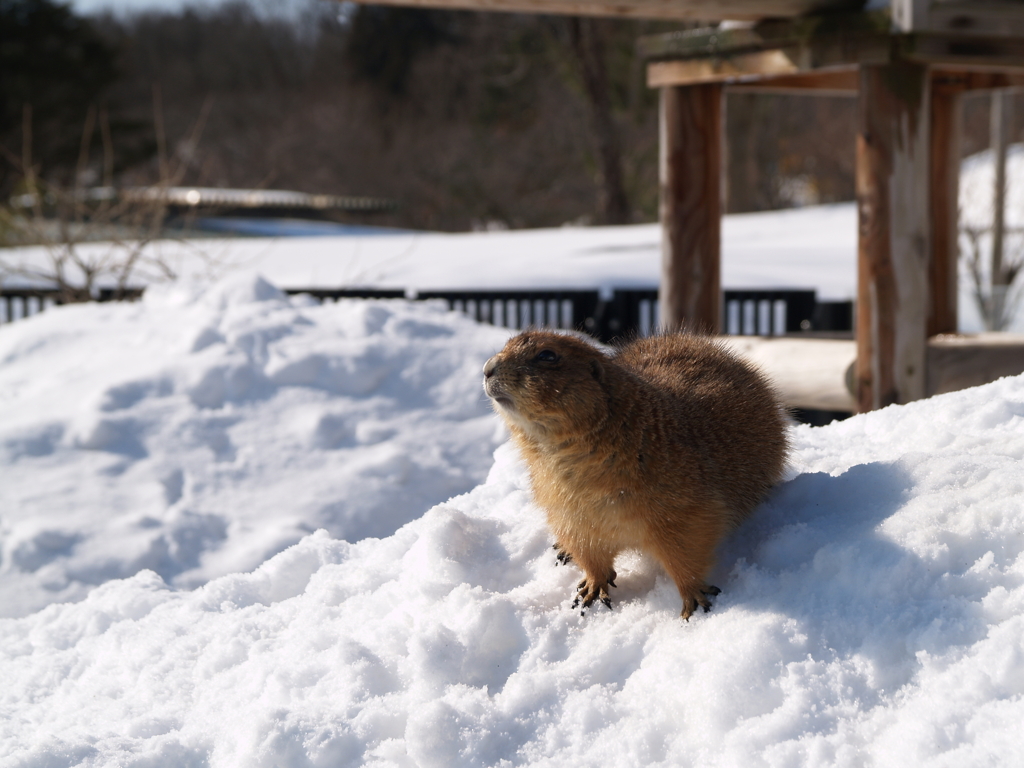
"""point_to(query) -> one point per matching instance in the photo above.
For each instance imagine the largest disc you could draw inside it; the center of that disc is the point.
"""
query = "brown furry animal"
(663, 447)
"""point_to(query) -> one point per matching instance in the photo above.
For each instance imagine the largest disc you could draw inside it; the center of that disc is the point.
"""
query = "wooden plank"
(959, 361)
(811, 373)
(830, 53)
(828, 82)
(851, 31)
(818, 42)
(945, 80)
(706, 10)
(690, 177)
(807, 373)
(714, 70)
(944, 202)
(893, 234)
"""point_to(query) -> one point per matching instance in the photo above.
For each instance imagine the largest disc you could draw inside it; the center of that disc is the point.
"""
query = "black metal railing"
(767, 313)
(625, 313)
(568, 309)
(19, 303)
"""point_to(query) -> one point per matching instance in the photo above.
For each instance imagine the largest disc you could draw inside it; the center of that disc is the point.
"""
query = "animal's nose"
(489, 367)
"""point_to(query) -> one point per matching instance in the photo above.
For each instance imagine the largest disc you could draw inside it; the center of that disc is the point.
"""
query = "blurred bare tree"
(994, 286)
(468, 119)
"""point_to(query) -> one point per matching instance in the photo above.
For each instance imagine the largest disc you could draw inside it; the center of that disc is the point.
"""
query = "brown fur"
(663, 447)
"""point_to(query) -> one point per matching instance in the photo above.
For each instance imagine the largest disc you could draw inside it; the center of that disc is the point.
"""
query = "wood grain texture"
(945, 190)
(719, 69)
(827, 82)
(894, 234)
(690, 176)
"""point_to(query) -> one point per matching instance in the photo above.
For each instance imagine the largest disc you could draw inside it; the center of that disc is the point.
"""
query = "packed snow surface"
(199, 432)
(872, 610)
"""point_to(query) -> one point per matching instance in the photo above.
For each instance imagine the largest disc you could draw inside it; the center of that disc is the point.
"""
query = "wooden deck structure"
(908, 85)
(908, 66)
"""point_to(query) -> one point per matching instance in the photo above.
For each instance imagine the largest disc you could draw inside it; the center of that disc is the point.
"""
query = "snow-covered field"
(811, 247)
(160, 460)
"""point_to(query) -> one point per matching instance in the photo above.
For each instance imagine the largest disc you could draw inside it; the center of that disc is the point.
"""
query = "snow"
(241, 528)
(809, 248)
(165, 463)
(199, 432)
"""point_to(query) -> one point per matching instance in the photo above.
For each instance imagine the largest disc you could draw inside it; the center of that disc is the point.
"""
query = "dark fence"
(19, 303)
(629, 312)
(623, 314)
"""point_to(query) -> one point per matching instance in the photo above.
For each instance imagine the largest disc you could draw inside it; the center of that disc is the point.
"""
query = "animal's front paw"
(699, 597)
(589, 590)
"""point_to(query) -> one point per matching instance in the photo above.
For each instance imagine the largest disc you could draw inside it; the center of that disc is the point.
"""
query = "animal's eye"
(546, 356)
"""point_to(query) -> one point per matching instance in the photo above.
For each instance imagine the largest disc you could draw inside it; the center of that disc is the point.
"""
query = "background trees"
(55, 68)
(467, 120)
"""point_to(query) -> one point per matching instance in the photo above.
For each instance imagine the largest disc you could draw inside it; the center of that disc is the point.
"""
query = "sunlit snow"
(872, 610)
(243, 529)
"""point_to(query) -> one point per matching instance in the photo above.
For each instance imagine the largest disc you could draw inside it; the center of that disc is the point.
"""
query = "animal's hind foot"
(587, 591)
(699, 598)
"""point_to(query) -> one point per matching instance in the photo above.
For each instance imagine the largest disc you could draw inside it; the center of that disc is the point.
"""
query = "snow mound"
(872, 614)
(200, 431)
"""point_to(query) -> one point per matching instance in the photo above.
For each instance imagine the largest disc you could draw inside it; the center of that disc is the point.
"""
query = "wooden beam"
(822, 82)
(823, 41)
(956, 81)
(714, 70)
(690, 176)
(707, 10)
(960, 361)
(811, 373)
(894, 234)
(852, 34)
(944, 203)
(807, 373)
(777, 71)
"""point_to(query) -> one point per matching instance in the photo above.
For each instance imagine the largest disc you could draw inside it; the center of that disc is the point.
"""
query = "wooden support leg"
(690, 175)
(945, 193)
(894, 234)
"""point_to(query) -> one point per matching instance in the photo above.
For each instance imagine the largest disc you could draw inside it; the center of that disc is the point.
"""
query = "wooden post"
(945, 194)
(894, 234)
(690, 175)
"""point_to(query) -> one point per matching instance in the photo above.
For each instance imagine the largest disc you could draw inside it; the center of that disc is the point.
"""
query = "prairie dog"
(663, 447)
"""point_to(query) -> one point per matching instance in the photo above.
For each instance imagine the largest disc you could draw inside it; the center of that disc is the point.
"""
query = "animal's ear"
(597, 369)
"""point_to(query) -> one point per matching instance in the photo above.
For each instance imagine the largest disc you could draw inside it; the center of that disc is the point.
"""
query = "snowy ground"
(811, 247)
(872, 611)
(197, 433)
(164, 465)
